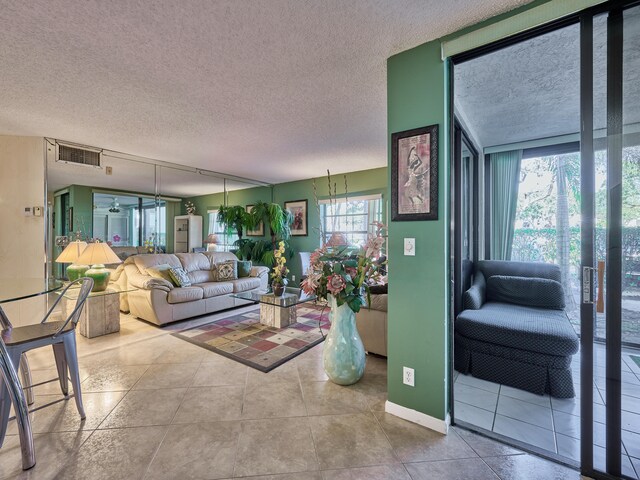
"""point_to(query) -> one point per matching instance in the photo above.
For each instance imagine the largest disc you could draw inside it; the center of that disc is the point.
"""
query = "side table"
(101, 313)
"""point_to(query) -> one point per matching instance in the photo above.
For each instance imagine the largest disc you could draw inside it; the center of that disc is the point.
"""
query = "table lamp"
(71, 254)
(211, 242)
(97, 254)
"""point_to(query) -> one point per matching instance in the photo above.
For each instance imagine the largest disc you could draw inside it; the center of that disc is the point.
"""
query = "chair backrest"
(519, 269)
(73, 318)
(305, 261)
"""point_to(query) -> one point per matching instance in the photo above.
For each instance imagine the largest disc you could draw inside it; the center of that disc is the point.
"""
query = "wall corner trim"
(414, 416)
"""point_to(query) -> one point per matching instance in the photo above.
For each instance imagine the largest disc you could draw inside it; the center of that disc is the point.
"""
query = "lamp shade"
(212, 238)
(98, 253)
(72, 252)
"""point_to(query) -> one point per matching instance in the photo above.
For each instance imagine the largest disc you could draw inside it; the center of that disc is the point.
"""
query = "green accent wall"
(419, 296)
(363, 182)
(418, 286)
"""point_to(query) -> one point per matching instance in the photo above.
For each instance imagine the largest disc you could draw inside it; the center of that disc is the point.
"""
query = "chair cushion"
(214, 289)
(180, 277)
(525, 328)
(379, 302)
(245, 284)
(227, 270)
(531, 292)
(185, 294)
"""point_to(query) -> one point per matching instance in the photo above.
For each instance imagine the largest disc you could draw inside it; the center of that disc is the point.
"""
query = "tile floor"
(554, 424)
(161, 408)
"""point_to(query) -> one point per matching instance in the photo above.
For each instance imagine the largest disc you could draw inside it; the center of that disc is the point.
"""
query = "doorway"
(576, 204)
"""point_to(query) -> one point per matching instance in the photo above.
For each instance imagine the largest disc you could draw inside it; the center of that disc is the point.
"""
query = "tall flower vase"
(343, 354)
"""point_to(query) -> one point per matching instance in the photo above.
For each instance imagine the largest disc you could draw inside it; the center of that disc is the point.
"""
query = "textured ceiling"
(273, 90)
(531, 90)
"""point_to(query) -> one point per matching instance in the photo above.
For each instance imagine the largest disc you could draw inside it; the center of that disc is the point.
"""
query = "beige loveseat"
(372, 325)
(157, 301)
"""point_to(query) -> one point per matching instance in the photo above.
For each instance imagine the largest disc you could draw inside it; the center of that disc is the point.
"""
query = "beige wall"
(22, 238)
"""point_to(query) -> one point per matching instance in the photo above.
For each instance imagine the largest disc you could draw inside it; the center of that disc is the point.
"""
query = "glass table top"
(112, 289)
(292, 296)
(21, 288)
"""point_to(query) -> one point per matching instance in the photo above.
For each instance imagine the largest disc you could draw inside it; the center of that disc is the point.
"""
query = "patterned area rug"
(244, 339)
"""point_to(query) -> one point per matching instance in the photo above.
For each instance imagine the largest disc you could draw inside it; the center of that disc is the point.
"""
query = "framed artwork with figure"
(414, 174)
(300, 222)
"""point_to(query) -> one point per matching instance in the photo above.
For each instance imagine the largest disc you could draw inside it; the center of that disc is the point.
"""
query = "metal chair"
(61, 336)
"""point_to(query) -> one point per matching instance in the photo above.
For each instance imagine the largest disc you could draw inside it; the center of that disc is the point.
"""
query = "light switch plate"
(410, 246)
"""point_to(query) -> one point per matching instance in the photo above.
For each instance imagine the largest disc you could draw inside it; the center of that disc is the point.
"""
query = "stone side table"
(101, 313)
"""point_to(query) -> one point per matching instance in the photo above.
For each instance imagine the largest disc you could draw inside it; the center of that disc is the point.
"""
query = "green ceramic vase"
(75, 272)
(100, 277)
(343, 355)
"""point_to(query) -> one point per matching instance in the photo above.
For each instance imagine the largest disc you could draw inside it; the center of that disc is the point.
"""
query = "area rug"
(241, 337)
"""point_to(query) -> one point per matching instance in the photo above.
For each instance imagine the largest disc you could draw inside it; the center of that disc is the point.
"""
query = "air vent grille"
(78, 155)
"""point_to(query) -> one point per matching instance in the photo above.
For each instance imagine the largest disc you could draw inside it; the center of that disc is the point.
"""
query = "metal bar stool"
(61, 336)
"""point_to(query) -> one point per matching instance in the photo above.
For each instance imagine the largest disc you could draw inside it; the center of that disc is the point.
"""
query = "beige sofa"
(372, 325)
(157, 301)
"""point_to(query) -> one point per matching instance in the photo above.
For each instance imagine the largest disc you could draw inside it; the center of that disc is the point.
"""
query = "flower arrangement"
(190, 207)
(280, 270)
(345, 272)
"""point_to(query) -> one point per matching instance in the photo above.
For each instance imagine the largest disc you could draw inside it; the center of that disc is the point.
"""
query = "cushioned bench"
(514, 329)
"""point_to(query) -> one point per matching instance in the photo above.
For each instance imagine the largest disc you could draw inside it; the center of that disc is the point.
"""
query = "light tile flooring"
(161, 408)
(554, 424)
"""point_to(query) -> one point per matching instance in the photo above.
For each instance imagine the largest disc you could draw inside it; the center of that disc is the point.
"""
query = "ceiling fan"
(115, 206)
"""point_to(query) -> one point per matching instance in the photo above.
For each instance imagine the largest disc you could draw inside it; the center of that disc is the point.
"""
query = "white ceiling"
(531, 90)
(273, 90)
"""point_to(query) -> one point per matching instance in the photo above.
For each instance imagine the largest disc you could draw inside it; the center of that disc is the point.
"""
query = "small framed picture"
(300, 223)
(258, 232)
(414, 174)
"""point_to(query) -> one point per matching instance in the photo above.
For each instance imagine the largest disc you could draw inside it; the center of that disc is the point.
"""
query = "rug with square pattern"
(241, 337)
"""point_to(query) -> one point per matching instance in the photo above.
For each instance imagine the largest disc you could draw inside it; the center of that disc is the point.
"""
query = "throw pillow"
(244, 268)
(528, 291)
(162, 271)
(227, 270)
(180, 277)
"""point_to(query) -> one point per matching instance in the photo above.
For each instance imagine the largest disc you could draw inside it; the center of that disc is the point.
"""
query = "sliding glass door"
(610, 253)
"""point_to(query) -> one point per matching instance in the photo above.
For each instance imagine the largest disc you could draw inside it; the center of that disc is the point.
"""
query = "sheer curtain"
(505, 178)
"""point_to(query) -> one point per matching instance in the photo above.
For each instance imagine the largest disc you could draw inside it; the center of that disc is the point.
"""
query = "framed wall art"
(414, 174)
(300, 223)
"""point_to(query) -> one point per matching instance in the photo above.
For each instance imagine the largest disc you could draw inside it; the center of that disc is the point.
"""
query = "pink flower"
(311, 283)
(351, 271)
(335, 284)
(314, 259)
(374, 244)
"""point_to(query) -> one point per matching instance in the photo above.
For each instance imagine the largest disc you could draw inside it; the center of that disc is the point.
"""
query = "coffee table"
(275, 311)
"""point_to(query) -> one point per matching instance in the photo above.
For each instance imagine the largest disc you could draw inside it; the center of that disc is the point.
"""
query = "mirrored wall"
(135, 204)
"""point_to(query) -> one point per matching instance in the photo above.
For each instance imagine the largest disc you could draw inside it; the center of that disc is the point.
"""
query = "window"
(352, 217)
(225, 239)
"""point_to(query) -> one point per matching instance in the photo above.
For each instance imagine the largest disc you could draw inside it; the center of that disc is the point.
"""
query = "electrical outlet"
(408, 377)
(293, 278)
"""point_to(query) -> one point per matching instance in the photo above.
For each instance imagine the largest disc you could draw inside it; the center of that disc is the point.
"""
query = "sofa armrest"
(474, 298)
(263, 274)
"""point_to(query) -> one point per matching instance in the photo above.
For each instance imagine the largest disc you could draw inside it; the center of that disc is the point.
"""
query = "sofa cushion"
(185, 294)
(226, 271)
(531, 292)
(244, 268)
(525, 328)
(144, 261)
(180, 277)
(202, 276)
(521, 269)
(163, 272)
(245, 284)
(214, 289)
(379, 302)
(218, 257)
(194, 261)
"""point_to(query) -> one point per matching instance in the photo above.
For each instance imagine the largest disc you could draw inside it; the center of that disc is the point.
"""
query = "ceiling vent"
(78, 155)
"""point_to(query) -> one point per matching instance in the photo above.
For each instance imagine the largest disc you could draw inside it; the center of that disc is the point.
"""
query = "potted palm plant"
(235, 217)
(279, 222)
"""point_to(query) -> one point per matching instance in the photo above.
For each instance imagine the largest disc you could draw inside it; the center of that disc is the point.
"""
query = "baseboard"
(441, 426)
